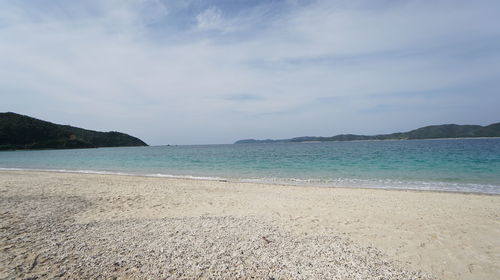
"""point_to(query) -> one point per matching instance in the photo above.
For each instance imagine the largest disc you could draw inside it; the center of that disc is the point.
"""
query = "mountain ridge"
(21, 132)
(426, 132)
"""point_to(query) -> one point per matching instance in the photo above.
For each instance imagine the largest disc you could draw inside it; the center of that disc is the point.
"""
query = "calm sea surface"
(469, 165)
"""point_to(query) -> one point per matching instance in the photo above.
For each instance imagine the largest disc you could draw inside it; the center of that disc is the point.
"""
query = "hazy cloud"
(210, 18)
(216, 71)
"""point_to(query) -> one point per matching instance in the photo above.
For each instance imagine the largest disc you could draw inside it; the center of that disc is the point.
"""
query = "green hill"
(23, 132)
(428, 132)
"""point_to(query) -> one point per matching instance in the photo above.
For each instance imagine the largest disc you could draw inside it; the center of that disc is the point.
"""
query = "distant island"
(428, 132)
(19, 132)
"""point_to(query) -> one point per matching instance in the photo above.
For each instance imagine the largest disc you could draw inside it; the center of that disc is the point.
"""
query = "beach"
(80, 226)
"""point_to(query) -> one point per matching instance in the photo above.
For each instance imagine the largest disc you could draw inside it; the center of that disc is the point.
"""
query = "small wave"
(101, 172)
(383, 184)
(84, 171)
(185, 177)
(334, 182)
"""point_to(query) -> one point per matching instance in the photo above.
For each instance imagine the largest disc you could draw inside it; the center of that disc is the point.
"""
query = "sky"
(216, 71)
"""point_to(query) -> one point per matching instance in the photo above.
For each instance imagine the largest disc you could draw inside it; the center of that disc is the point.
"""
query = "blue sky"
(195, 72)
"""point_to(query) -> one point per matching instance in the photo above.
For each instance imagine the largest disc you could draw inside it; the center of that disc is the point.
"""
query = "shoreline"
(302, 182)
(442, 234)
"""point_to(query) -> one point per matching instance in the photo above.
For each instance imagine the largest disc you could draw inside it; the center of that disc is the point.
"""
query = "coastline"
(444, 234)
(370, 140)
(285, 182)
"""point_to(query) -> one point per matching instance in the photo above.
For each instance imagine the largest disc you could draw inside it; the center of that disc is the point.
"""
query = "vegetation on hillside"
(23, 132)
(428, 132)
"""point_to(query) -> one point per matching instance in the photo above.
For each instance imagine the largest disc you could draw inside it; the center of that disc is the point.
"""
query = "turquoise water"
(468, 165)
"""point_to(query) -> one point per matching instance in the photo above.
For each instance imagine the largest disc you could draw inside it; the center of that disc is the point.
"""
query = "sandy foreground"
(81, 226)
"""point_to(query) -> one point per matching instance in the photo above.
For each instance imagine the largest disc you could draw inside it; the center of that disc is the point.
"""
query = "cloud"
(209, 19)
(242, 97)
(213, 71)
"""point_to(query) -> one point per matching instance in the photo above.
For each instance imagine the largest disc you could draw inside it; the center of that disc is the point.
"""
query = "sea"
(453, 165)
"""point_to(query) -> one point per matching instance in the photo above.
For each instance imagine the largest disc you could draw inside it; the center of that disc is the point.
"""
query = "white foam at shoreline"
(337, 182)
(160, 175)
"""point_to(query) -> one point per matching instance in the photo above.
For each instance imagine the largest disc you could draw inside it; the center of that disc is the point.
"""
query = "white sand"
(447, 235)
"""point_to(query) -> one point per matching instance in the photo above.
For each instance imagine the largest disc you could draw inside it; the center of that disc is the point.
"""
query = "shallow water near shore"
(465, 165)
